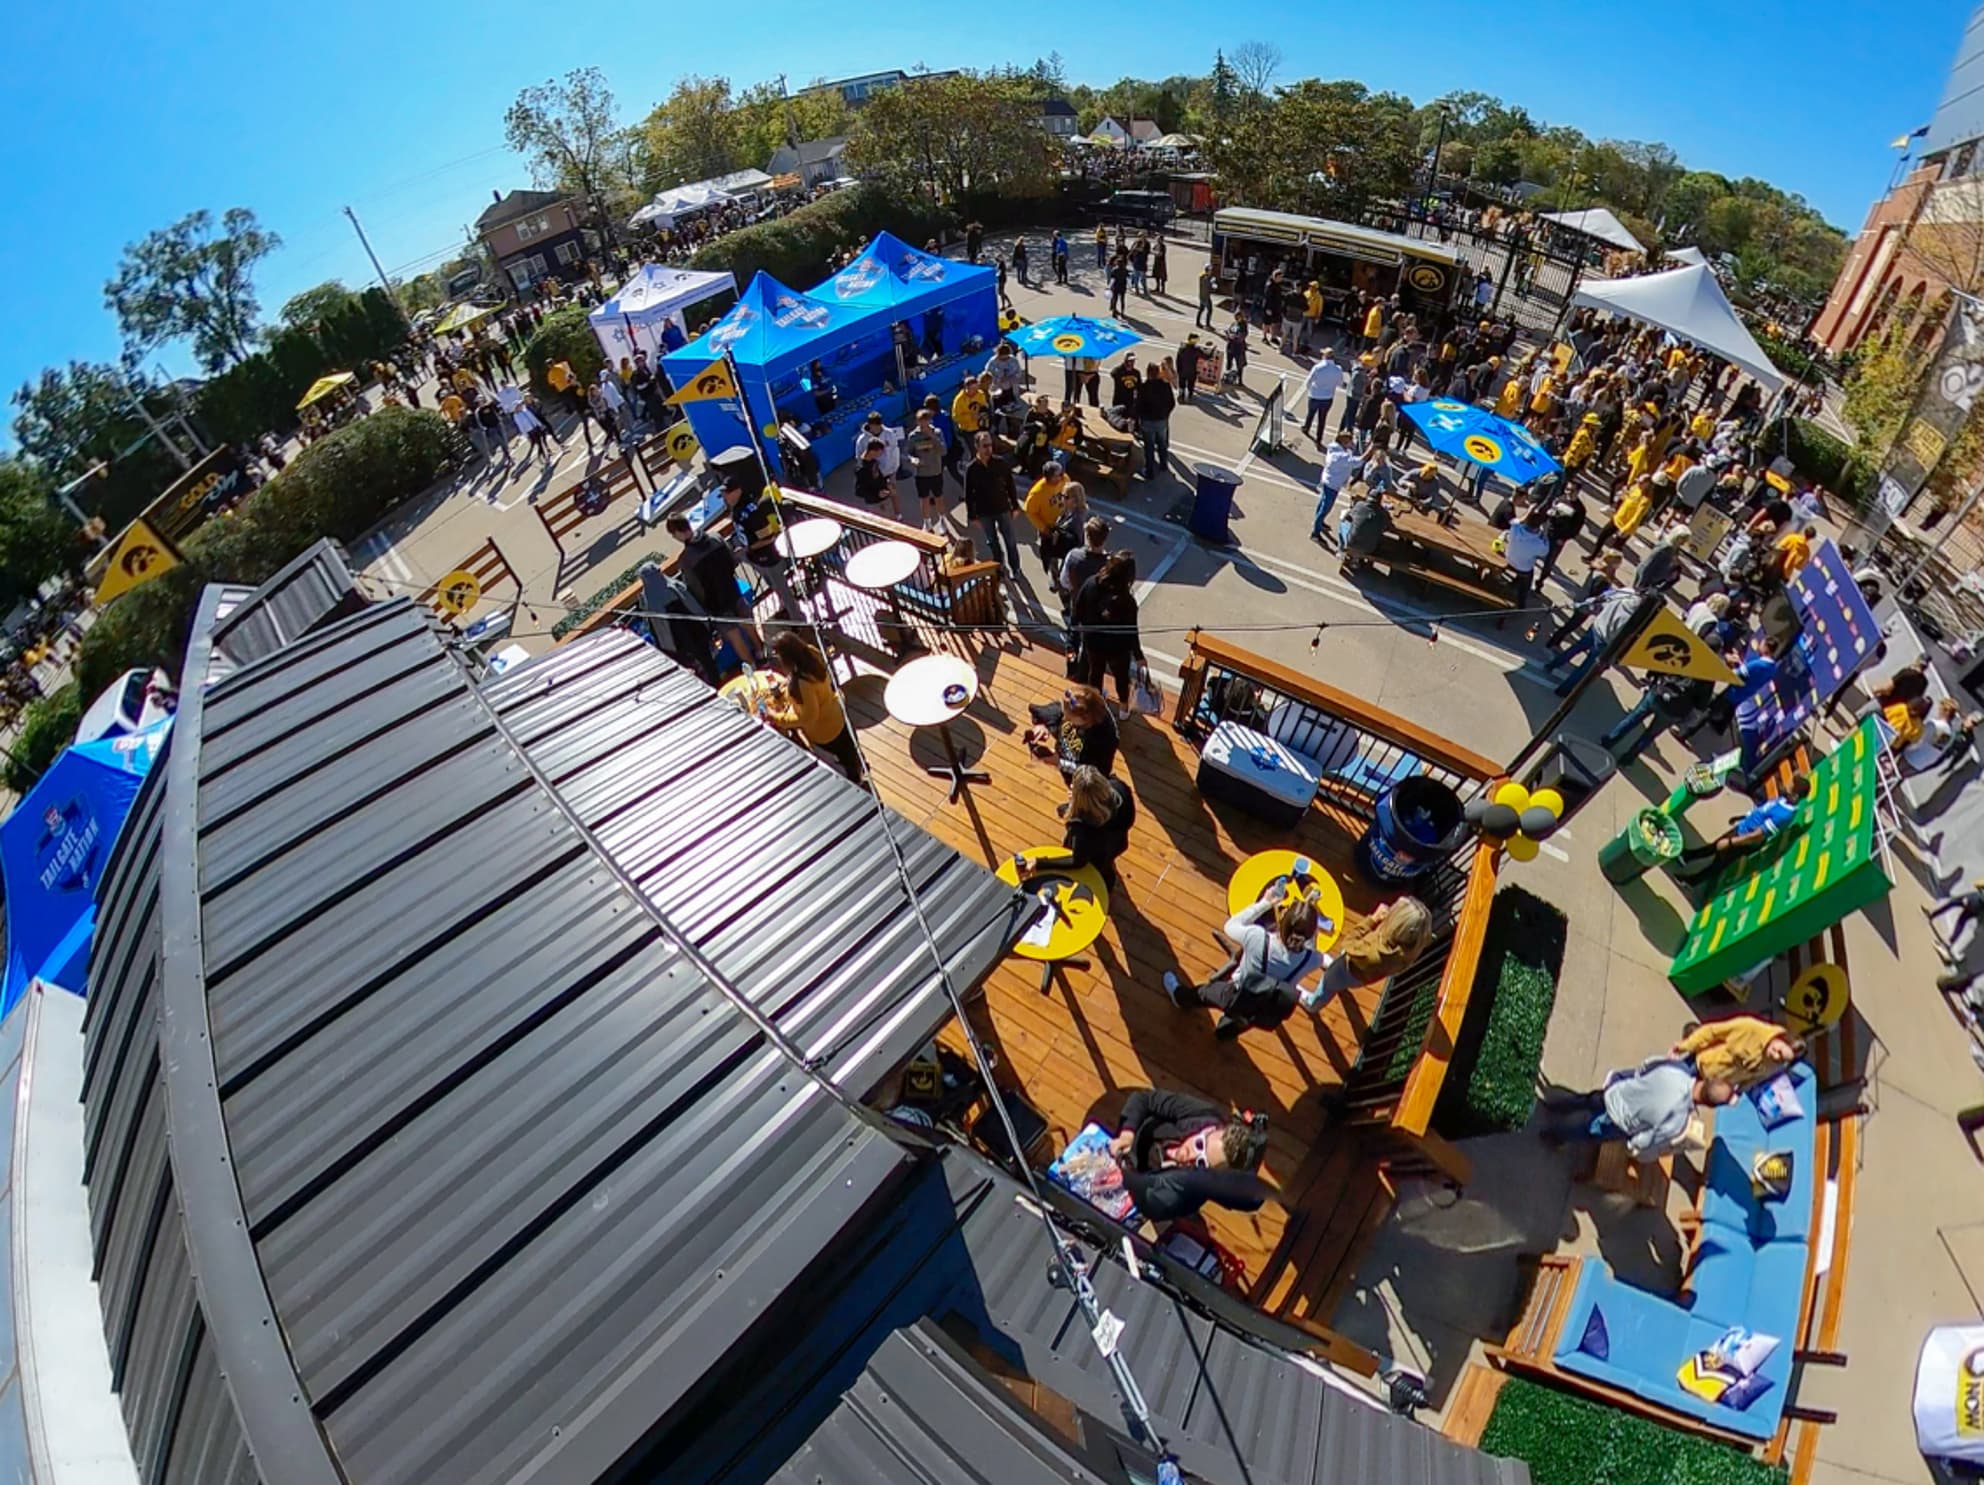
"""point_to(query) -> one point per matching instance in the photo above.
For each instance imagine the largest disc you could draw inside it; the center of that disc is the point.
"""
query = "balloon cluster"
(1517, 817)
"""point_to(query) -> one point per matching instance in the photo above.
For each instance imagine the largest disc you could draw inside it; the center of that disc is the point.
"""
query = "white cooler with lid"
(1252, 770)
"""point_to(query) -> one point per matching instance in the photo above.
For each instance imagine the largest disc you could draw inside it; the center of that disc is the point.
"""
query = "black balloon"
(1476, 808)
(1538, 823)
(1500, 821)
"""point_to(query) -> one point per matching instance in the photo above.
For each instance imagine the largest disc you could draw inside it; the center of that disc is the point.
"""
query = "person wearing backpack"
(1257, 990)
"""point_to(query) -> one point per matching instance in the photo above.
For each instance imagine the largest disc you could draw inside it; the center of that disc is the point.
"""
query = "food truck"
(1248, 244)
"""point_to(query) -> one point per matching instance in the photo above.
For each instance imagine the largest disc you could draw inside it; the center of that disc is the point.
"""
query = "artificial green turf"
(1570, 1440)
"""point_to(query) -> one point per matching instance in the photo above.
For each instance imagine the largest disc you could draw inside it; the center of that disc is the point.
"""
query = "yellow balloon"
(1514, 795)
(1548, 799)
(1522, 848)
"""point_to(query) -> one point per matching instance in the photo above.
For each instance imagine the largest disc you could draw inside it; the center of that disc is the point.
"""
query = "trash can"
(1650, 839)
(1212, 503)
(1415, 826)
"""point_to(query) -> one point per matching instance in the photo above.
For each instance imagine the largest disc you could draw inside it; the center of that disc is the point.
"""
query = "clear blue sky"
(120, 115)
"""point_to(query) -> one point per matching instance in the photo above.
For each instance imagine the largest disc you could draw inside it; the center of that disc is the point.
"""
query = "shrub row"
(47, 725)
(1819, 457)
(581, 612)
(1568, 1440)
(259, 395)
(1501, 1039)
(340, 487)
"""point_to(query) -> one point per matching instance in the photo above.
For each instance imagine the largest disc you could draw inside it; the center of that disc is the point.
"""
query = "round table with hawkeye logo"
(1303, 874)
(1074, 904)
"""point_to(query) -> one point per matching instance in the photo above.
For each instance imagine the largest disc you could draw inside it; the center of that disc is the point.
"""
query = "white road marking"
(1164, 564)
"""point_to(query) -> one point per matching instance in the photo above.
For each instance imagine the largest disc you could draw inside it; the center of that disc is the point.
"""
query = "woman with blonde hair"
(1100, 811)
(1383, 944)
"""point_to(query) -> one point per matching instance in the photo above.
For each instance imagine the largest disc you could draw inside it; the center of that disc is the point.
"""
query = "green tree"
(568, 131)
(1333, 148)
(37, 538)
(765, 120)
(973, 132)
(301, 311)
(72, 419)
(691, 134)
(189, 282)
(1881, 388)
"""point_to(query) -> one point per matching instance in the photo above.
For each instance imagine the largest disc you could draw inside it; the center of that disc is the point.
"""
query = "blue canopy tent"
(53, 848)
(832, 356)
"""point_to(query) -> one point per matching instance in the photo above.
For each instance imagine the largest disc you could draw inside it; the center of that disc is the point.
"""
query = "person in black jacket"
(1154, 404)
(1104, 615)
(1178, 1153)
(1100, 811)
(708, 570)
(1075, 730)
(988, 500)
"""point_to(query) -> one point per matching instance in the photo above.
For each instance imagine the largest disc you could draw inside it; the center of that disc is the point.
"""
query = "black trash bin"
(1575, 767)
(1212, 503)
(1415, 825)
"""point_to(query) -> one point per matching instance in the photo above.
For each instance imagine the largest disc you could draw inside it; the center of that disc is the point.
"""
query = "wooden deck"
(1075, 1051)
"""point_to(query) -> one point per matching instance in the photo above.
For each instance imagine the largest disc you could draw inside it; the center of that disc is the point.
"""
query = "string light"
(1317, 643)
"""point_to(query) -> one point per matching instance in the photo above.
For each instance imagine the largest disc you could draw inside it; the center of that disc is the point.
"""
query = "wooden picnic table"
(1460, 557)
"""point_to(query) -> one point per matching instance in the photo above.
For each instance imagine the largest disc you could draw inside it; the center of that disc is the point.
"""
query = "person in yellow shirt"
(812, 707)
(1639, 460)
(1583, 444)
(1740, 1050)
(970, 409)
(1052, 496)
(1509, 403)
(1374, 323)
(1906, 718)
(452, 407)
(558, 373)
(1794, 550)
(1703, 427)
(1627, 519)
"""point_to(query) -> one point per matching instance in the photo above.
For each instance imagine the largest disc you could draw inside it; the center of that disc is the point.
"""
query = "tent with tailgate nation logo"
(52, 851)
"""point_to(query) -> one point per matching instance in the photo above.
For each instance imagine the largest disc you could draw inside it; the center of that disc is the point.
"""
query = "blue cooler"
(1415, 826)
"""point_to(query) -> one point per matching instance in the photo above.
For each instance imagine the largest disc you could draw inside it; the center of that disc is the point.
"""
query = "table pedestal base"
(955, 770)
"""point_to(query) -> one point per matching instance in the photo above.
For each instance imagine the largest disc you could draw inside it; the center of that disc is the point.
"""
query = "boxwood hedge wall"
(1569, 1440)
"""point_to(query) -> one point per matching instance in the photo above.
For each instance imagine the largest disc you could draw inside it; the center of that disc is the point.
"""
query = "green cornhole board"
(1821, 867)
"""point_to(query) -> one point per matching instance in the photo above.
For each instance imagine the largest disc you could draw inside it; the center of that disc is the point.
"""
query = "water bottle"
(1168, 1472)
(1303, 866)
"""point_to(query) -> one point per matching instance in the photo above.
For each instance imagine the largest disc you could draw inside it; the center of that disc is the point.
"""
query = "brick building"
(1925, 237)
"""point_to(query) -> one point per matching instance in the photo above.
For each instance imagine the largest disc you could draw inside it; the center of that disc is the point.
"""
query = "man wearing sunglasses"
(1178, 1153)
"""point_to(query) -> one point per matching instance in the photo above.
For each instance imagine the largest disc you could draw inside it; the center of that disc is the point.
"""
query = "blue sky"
(121, 116)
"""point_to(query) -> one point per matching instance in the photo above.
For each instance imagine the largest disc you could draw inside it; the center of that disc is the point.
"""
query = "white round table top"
(915, 694)
(881, 564)
(804, 539)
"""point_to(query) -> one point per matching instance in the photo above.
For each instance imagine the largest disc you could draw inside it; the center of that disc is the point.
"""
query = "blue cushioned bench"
(1748, 1268)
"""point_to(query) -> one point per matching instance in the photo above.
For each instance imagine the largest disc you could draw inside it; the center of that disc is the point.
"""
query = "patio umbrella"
(1507, 449)
(1074, 335)
(323, 387)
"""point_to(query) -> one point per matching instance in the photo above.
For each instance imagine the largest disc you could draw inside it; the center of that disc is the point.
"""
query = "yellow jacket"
(1374, 323)
(1732, 1050)
(1579, 453)
(1509, 403)
(1632, 510)
(1044, 503)
(968, 411)
(813, 708)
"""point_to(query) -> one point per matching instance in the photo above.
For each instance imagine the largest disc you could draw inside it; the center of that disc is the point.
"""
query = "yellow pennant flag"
(1668, 646)
(708, 385)
(141, 554)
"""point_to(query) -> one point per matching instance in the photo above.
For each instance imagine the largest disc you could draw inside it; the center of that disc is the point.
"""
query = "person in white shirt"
(873, 427)
(1338, 466)
(1524, 545)
(1324, 379)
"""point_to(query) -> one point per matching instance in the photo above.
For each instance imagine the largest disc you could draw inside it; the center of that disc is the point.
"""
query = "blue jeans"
(1324, 501)
(1633, 724)
(1157, 445)
(1580, 655)
(995, 527)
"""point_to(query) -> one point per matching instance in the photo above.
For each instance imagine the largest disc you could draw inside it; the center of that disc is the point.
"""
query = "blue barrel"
(1212, 503)
(1414, 827)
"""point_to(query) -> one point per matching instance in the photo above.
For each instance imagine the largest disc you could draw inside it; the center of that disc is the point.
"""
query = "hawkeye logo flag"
(711, 384)
(1667, 646)
(141, 554)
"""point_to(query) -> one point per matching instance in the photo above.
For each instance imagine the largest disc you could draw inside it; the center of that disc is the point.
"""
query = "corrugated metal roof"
(486, 1090)
(920, 1414)
(312, 589)
(966, 1247)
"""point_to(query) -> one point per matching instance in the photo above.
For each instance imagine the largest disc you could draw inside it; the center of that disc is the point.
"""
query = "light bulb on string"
(1317, 643)
(1433, 635)
(1531, 632)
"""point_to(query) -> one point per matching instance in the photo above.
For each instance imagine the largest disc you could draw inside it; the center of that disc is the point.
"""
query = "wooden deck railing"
(1402, 1065)
(940, 592)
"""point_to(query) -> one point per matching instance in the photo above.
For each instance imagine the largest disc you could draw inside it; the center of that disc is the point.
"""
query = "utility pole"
(158, 430)
(366, 243)
(791, 128)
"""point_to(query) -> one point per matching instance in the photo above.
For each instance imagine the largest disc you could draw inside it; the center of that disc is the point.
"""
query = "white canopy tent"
(670, 204)
(1599, 223)
(1688, 257)
(652, 297)
(1688, 304)
(738, 182)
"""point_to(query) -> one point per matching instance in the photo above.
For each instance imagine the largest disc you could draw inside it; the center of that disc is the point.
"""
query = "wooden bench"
(1459, 557)
(585, 498)
(487, 566)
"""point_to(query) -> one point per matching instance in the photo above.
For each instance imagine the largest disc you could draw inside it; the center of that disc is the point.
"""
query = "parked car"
(129, 704)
